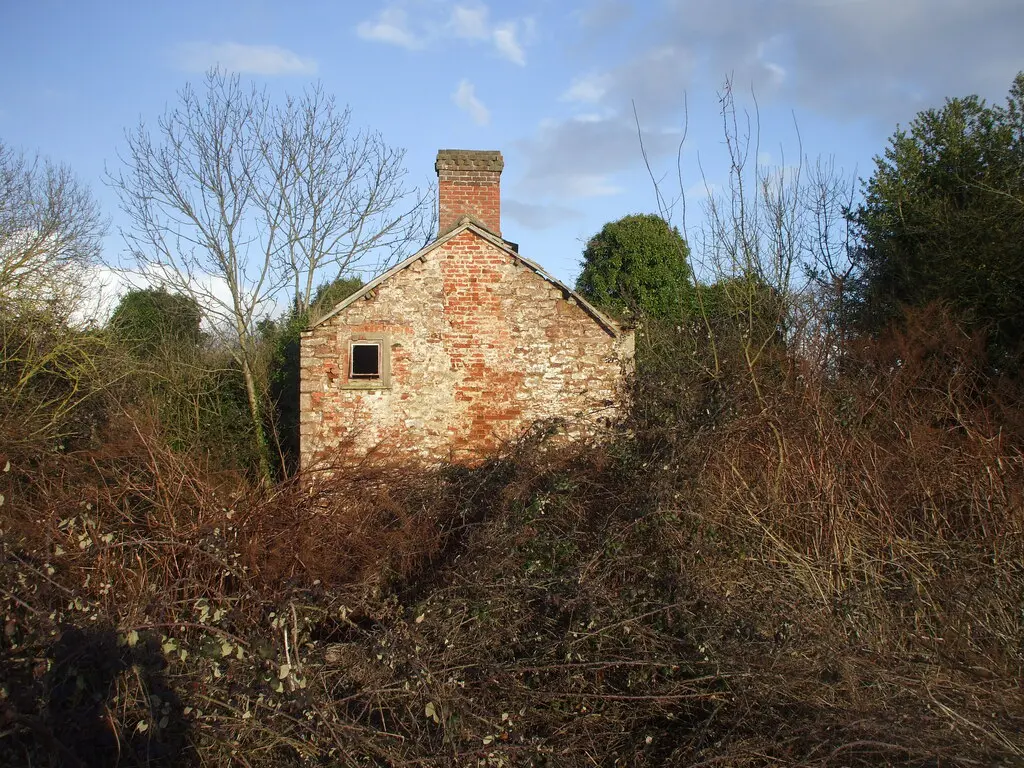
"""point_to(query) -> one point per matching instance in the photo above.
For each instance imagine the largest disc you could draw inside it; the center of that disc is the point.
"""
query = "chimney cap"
(468, 160)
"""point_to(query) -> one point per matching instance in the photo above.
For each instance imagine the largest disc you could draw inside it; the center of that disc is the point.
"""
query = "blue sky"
(550, 83)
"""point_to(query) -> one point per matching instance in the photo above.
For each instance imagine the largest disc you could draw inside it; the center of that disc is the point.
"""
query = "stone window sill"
(365, 385)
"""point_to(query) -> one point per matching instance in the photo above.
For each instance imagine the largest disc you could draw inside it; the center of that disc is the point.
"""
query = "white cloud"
(392, 27)
(470, 22)
(577, 158)
(466, 21)
(507, 42)
(104, 287)
(776, 72)
(466, 100)
(588, 90)
(590, 185)
(245, 59)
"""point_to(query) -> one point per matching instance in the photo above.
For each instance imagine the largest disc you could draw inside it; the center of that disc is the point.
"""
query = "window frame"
(383, 380)
(376, 375)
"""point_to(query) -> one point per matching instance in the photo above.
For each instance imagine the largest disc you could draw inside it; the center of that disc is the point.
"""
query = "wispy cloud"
(702, 190)
(590, 185)
(465, 99)
(605, 14)
(467, 21)
(589, 89)
(580, 158)
(871, 58)
(506, 41)
(470, 22)
(391, 26)
(245, 59)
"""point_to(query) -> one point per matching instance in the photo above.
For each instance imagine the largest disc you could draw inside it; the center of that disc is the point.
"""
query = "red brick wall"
(481, 347)
(479, 198)
(469, 184)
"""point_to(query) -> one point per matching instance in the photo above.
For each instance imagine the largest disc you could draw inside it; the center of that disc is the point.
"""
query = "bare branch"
(50, 233)
(247, 207)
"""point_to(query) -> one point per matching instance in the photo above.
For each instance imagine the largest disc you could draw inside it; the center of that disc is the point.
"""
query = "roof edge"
(612, 327)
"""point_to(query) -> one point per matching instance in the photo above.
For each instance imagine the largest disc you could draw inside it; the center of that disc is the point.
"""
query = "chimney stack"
(469, 184)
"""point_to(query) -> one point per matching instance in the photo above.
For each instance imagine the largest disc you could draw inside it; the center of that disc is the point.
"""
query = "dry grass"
(826, 574)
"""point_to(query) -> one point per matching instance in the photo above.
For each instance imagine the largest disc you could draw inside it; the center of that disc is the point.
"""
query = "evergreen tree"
(638, 266)
(148, 319)
(943, 220)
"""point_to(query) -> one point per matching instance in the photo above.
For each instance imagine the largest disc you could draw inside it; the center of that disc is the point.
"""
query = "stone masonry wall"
(481, 347)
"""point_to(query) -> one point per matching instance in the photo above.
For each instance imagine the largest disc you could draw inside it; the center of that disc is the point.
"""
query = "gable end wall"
(481, 347)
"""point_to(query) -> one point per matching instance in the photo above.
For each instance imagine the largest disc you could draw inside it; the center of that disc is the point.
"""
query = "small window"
(365, 360)
(369, 362)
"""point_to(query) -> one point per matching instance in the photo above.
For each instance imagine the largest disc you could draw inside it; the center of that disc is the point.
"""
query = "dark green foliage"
(329, 295)
(943, 220)
(213, 416)
(282, 336)
(638, 266)
(196, 393)
(697, 370)
(695, 373)
(150, 318)
(743, 305)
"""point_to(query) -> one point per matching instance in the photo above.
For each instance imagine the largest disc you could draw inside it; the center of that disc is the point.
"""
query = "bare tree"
(246, 207)
(773, 249)
(343, 195)
(830, 264)
(50, 232)
(750, 241)
(50, 235)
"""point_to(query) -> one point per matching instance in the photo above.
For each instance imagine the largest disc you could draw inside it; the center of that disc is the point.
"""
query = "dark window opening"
(365, 360)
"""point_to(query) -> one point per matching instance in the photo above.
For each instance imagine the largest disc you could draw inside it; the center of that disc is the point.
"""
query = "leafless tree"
(50, 233)
(773, 232)
(342, 195)
(752, 237)
(247, 207)
(830, 263)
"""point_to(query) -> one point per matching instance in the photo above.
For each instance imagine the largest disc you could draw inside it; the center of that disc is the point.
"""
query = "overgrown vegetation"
(833, 579)
(804, 547)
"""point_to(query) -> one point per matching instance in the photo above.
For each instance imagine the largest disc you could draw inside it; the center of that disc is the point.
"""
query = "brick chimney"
(469, 184)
